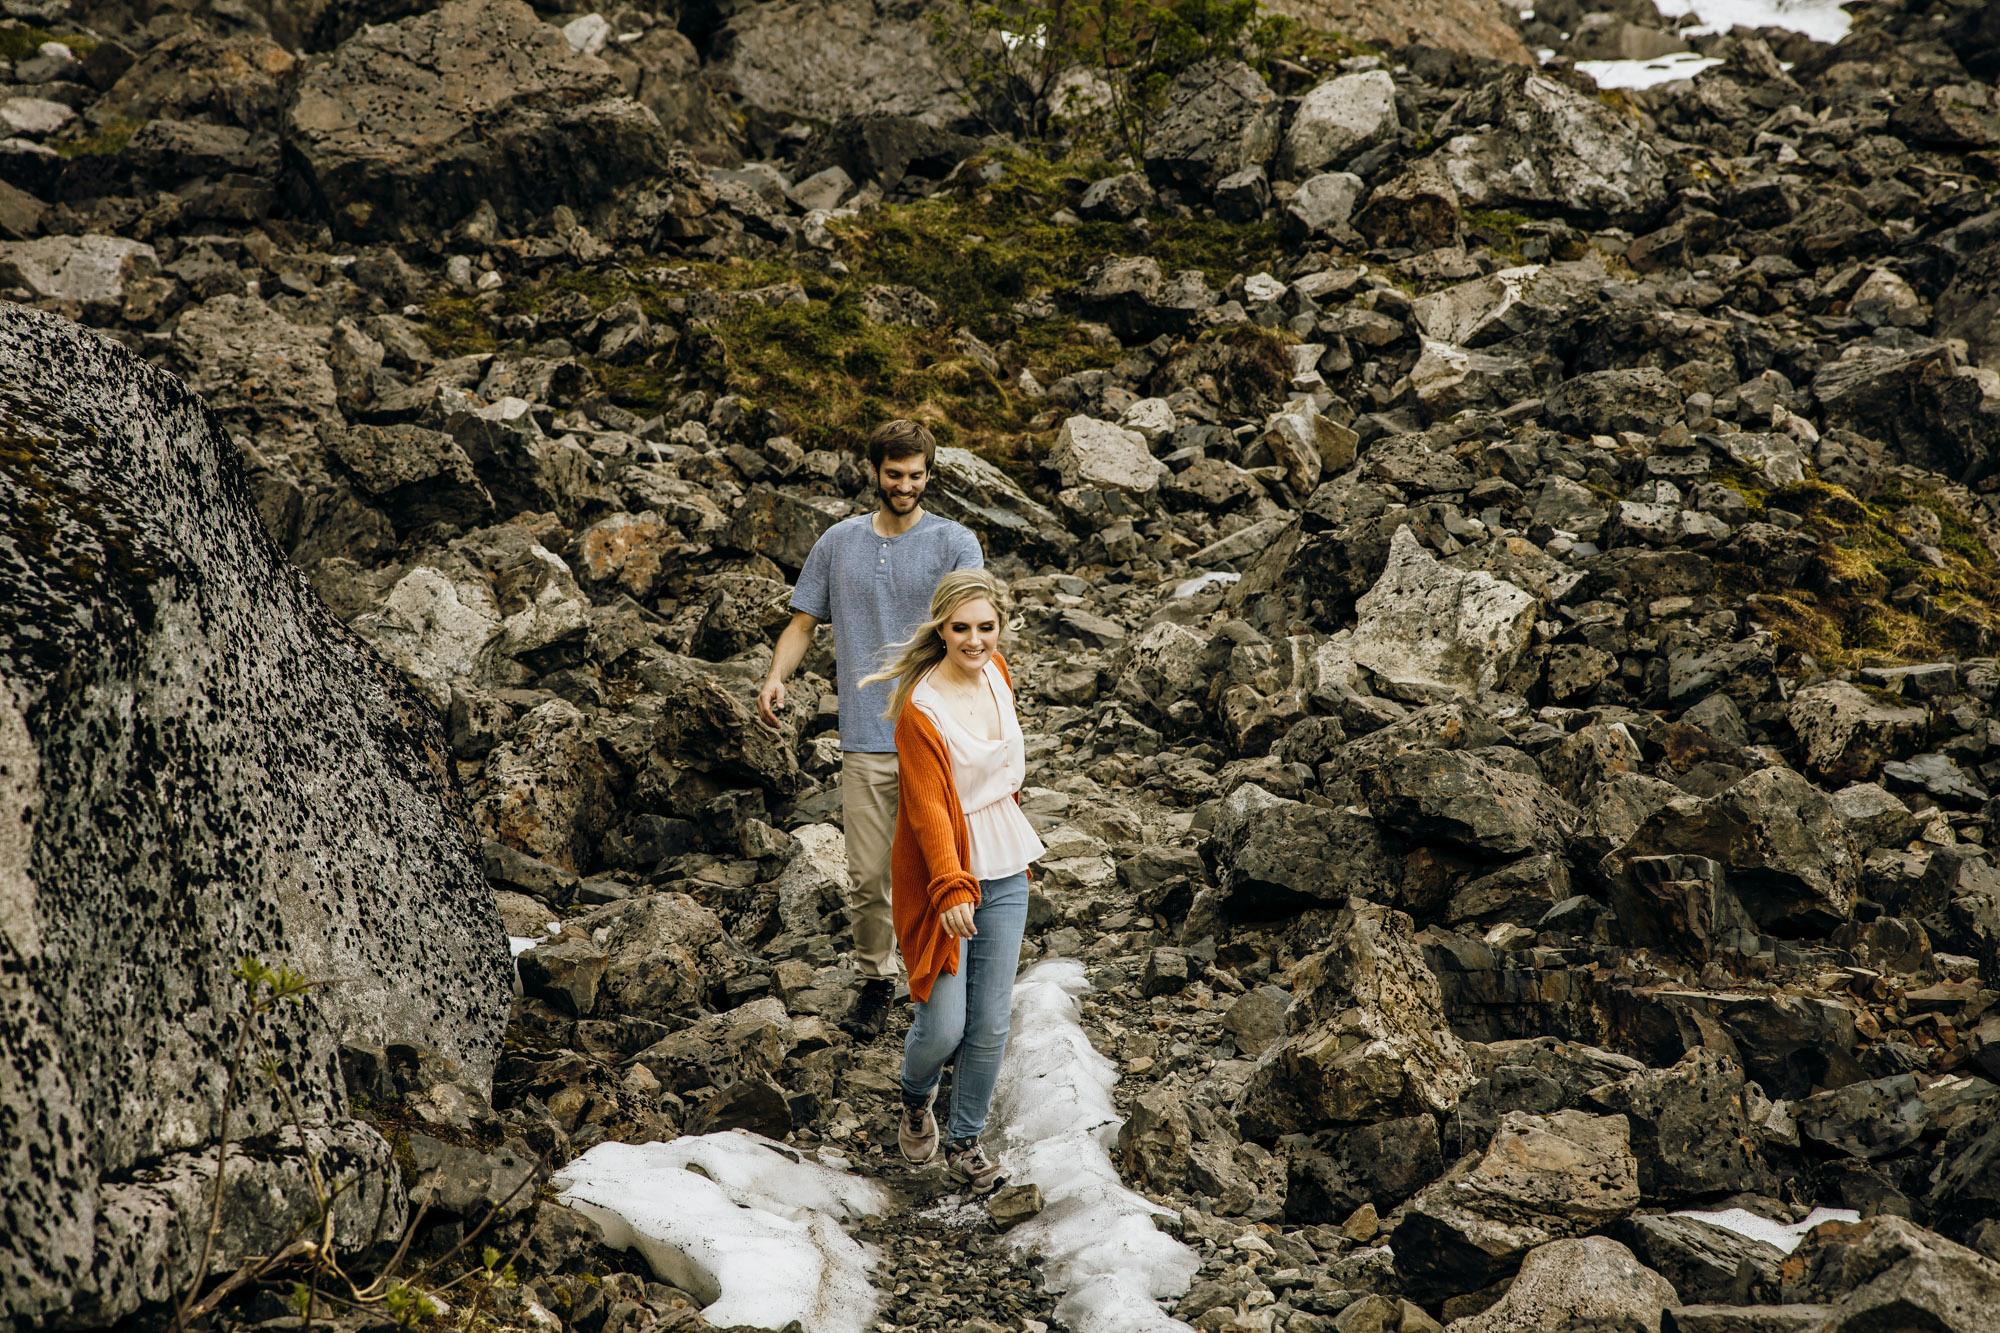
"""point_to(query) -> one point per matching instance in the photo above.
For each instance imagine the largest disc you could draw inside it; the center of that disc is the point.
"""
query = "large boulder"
(1549, 148)
(1432, 631)
(1847, 733)
(1367, 1037)
(1449, 796)
(1278, 856)
(92, 271)
(200, 765)
(1220, 118)
(1692, 1128)
(1470, 26)
(1889, 1273)
(1338, 119)
(410, 125)
(1543, 1178)
(1788, 857)
(1585, 1285)
(966, 488)
(827, 59)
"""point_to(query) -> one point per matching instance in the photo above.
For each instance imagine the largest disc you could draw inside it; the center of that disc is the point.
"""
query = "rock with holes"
(200, 765)
(411, 125)
(1366, 1035)
(1544, 1178)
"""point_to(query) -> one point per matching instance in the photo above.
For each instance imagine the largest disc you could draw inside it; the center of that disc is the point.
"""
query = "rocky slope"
(1506, 607)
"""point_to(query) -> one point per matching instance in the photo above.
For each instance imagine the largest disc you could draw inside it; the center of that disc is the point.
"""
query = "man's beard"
(889, 499)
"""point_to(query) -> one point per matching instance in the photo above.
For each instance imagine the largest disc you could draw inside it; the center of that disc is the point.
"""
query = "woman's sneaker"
(917, 1131)
(969, 1163)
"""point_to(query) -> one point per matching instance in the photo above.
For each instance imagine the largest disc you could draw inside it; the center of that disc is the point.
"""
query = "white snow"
(1646, 73)
(745, 1224)
(1786, 1236)
(1056, 1122)
(1821, 20)
(1201, 582)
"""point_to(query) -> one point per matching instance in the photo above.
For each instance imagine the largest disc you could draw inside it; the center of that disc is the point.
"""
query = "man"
(872, 576)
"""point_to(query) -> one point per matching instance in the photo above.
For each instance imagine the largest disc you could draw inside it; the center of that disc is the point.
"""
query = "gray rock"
(1337, 120)
(1544, 1178)
(1888, 1272)
(1705, 1262)
(668, 955)
(1418, 209)
(1367, 1039)
(967, 488)
(93, 271)
(1847, 733)
(1692, 1129)
(1550, 146)
(1333, 1172)
(1607, 401)
(1116, 198)
(1324, 202)
(254, 366)
(1098, 454)
(1864, 1120)
(1139, 301)
(1282, 857)
(1457, 798)
(1220, 118)
(1703, 1318)
(823, 61)
(157, 642)
(823, 189)
(413, 124)
(1432, 632)
(1578, 1286)
(1788, 856)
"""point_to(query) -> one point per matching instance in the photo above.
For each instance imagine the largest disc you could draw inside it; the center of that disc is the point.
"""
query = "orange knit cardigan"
(927, 873)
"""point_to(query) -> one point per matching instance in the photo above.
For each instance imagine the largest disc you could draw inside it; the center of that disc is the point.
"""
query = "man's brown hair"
(901, 439)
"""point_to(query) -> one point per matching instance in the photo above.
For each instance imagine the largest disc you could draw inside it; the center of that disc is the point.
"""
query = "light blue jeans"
(968, 1011)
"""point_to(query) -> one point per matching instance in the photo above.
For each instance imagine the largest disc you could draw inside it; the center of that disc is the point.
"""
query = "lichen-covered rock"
(1544, 1178)
(1368, 1038)
(1435, 631)
(1578, 1286)
(412, 125)
(1220, 118)
(200, 764)
(1551, 147)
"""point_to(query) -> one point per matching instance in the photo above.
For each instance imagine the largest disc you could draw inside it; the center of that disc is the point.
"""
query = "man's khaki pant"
(868, 806)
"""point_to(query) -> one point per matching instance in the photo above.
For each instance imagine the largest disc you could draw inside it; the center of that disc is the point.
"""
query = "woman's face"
(971, 633)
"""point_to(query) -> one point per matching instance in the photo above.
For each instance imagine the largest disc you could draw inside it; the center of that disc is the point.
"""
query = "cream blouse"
(987, 774)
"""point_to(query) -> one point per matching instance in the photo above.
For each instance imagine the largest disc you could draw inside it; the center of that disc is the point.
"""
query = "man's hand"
(958, 921)
(770, 700)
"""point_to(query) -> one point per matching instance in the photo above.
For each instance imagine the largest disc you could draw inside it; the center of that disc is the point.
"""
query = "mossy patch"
(106, 139)
(20, 42)
(1870, 599)
(978, 249)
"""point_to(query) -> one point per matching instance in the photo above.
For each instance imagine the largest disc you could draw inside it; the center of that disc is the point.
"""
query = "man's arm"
(785, 658)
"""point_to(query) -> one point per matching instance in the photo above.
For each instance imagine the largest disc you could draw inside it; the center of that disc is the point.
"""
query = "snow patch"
(1646, 73)
(1821, 20)
(1786, 1236)
(746, 1225)
(1202, 582)
(1057, 1124)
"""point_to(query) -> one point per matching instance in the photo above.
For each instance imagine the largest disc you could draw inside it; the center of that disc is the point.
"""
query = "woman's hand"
(958, 921)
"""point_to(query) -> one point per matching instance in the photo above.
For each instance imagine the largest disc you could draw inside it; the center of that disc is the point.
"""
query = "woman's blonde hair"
(910, 660)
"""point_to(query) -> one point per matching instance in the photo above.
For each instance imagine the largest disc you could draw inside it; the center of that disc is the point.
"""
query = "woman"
(959, 867)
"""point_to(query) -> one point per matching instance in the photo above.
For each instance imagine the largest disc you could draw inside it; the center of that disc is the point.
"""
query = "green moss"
(19, 42)
(103, 141)
(1496, 229)
(1845, 618)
